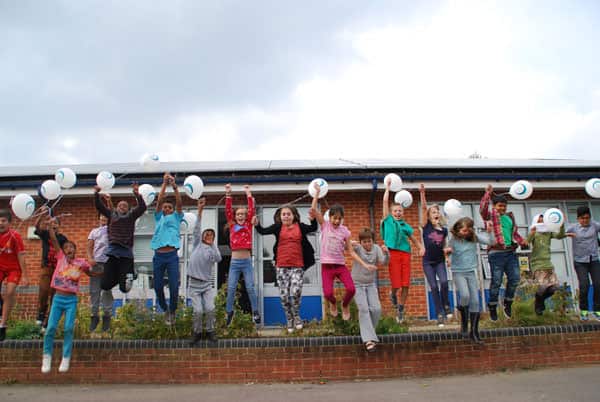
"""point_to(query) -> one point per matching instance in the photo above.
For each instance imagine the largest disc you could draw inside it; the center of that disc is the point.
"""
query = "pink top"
(240, 236)
(67, 274)
(333, 243)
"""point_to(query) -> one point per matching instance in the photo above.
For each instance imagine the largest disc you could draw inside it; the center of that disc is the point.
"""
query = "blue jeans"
(467, 286)
(240, 266)
(504, 262)
(168, 262)
(439, 286)
(61, 304)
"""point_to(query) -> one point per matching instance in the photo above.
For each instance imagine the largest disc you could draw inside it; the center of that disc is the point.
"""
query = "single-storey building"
(355, 184)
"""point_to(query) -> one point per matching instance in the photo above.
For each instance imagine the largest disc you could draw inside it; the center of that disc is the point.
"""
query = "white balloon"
(521, 189)
(148, 193)
(322, 184)
(403, 198)
(65, 177)
(553, 219)
(395, 181)
(188, 223)
(592, 187)
(50, 190)
(452, 207)
(150, 162)
(105, 180)
(193, 186)
(23, 206)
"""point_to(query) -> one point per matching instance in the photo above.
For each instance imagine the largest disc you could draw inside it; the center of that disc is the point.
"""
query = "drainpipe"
(372, 218)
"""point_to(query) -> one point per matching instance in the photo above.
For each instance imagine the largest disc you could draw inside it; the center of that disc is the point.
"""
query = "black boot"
(211, 336)
(493, 312)
(507, 305)
(196, 337)
(539, 305)
(474, 333)
(94, 321)
(464, 320)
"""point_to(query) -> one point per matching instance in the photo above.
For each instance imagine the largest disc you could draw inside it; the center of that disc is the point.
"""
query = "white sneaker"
(128, 282)
(64, 365)
(46, 363)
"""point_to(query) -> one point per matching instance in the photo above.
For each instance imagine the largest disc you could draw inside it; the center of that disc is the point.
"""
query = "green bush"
(21, 329)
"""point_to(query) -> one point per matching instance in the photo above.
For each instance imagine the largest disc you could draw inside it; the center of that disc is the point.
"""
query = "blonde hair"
(442, 217)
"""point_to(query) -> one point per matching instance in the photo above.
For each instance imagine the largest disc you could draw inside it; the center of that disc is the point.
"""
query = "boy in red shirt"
(12, 265)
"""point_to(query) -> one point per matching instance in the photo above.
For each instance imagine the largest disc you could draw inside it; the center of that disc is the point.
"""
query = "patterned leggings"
(290, 282)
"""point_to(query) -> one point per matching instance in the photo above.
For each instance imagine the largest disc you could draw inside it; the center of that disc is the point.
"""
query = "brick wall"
(83, 218)
(306, 359)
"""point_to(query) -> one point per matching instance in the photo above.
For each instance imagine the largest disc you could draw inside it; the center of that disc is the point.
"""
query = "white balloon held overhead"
(403, 198)
(65, 177)
(452, 207)
(188, 223)
(105, 180)
(193, 187)
(521, 189)
(148, 193)
(394, 180)
(150, 162)
(50, 190)
(553, 219)
(592, 187)
(323, 185)
(23, 206)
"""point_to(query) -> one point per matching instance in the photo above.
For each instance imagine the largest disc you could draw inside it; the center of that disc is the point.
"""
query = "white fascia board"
(261, 188)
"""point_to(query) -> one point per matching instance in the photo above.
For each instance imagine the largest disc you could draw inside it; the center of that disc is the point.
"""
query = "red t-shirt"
(11, 244)
(289, 247)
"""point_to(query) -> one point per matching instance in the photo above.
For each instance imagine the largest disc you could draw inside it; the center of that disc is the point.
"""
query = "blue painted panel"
(310, 309)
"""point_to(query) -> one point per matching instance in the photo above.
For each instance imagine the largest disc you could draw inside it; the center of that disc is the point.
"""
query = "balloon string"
(298, 199)
(121, 176)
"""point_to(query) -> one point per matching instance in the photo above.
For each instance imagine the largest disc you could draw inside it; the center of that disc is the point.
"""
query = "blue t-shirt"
(434, 243)
(166, 232)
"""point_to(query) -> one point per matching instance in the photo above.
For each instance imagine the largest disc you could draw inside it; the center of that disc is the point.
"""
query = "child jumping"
(463, 246)
(365, 281)
(396, 234)
(502, 255)
(165, 243)
(541, 265)
(240, 241)
(335, 240)
(205, 254)
(435, 235)
(12, 266)
(293, 254)
(65, 282)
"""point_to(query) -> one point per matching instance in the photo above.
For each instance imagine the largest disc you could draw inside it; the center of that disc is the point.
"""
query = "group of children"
(110, 262)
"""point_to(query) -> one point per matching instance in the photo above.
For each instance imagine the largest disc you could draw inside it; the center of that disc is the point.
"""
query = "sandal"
(333, 311)
(370, 346)
(345, 313)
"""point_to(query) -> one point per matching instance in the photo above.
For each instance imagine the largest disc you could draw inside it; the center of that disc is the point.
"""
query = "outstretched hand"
(135, 187)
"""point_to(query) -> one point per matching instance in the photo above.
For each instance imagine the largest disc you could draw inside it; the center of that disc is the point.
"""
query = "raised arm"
(197, 234)
(228, 204)
(251, 207)
(163, 190)
(314, 207)
(100, 207)
(484, 210)
(140, 208)
(386, 200)
(52, 235)
(423, 205)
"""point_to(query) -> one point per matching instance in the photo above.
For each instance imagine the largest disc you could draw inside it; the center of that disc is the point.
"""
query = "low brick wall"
(305, 359)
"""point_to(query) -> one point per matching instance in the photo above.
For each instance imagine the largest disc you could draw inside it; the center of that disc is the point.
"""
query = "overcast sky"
(106, 81)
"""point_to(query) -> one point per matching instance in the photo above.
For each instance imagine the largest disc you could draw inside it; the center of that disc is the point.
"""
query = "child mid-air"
(335, 240)
(396, 234)
(540, 262)
(293, 254)
(435, 235)
(365, 281)
(205, 254)
(240, 226)
(463, 247)
(65, 282)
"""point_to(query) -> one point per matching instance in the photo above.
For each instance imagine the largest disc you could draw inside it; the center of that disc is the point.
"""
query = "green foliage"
(21, 329)
(558, 310)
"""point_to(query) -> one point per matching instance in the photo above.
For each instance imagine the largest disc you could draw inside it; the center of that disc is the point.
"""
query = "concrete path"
(570, 384)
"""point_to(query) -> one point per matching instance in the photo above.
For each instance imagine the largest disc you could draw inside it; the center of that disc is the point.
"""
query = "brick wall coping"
(278, 342)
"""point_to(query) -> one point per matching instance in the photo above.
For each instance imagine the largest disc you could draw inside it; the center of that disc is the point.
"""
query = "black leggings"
(584, 271)
(115, 271)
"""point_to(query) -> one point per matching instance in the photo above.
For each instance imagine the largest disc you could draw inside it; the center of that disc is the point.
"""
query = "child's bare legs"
(403, 295)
